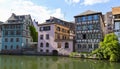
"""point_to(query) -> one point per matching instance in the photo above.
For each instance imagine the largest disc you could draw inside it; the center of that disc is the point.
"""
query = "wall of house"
(89, 32)
(53, 44)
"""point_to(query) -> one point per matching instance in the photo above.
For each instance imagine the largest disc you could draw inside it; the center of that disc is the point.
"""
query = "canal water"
(51, 62)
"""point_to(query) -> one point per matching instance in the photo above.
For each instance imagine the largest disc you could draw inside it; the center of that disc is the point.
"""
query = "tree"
(109, 48)
(33, 33)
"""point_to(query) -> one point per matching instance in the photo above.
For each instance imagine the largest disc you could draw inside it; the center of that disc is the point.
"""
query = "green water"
(49, 62)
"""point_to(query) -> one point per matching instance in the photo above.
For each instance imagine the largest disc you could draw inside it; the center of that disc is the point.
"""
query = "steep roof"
(1, 22)
(13, 17)
(87, 13)
(19, 17)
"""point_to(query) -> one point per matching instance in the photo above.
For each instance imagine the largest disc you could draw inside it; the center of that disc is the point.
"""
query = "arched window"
(47, 44)
(41, 44)
(66, 45)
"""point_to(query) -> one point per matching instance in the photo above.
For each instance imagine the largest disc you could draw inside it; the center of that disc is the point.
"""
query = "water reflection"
(47, 62)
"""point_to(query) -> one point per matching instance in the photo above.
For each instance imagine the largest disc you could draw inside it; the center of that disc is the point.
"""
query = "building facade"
(54, 39)
(1, 35)
(116, 21)
(89, 30)
(16, 33)
(108, 20)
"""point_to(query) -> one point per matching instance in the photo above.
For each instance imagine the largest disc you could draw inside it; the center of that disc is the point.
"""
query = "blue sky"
(63, 9)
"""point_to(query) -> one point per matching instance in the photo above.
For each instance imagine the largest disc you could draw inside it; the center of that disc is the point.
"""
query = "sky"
(40, 10)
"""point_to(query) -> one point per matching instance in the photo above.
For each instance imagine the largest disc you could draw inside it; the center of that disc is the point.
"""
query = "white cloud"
(86, 2)
(72, 1)
(91, 2)
(2, 1)
(21, 7)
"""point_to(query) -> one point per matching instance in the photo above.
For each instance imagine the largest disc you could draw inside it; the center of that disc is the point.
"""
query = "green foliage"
(73, 54)
(109, 48)
(33, 33)
(98, 53)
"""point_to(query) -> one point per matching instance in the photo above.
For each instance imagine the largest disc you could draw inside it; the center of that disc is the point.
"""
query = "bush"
(73, 54)
(109, 48)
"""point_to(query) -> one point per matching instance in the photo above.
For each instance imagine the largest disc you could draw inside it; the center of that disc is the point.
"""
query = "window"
(27, 27)
(41, 28)
(93, 36)
(47, 44)
(11, 32)
(79, 19)
(18, 26)
(90, 45)
(6, 32)
(78, 27)
(12, 26)
(41, 50)
(47, 36)
(41, 44)
(68, 31)
(66, 45)
(11, 40)
(6, 27)
(5, 46)
(58, 28)
(47, 51)
(63, 30)
(79, 45)
(84, 27)
(95, 46)
(6, 39)
(41, 37)
(90, 27)
(17, 47)
(18, 32)
(26, 40)
(99, 35)
(76, 20)
(11, 46)
(58, 36)
(78, 36)
(59, 45)
(96, 17)
(90, 18)
(84, 45)
(17, 39)
(84, 18)
(84, 36)
(46, 28)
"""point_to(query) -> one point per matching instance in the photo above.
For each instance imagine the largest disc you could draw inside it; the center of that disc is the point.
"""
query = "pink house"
(54, 39)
